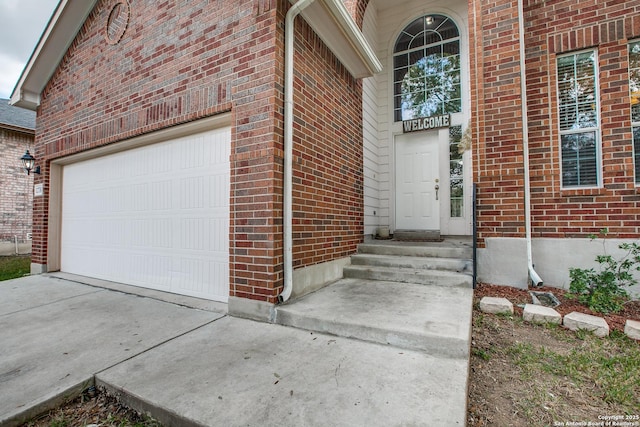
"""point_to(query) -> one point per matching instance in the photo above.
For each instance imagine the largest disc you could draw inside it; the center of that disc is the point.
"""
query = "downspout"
(287, 217)
(533, 276)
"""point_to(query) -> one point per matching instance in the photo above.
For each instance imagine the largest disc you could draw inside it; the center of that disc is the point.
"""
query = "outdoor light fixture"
(28, 162)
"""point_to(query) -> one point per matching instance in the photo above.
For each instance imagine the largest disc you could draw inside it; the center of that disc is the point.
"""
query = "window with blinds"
(579, 121)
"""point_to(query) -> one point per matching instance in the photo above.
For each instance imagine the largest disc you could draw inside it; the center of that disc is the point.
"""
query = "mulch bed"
(521, 296)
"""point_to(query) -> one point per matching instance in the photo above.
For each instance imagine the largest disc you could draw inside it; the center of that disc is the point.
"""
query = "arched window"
(426, 69)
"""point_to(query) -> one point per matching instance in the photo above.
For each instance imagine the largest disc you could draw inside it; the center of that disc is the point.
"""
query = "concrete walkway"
(198, 366)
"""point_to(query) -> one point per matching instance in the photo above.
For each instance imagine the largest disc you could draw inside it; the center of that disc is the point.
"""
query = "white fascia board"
(331, 20)
(60, 32)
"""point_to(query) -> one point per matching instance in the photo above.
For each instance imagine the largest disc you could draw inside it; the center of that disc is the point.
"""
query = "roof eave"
(15, 128)
(331, 20)
(66, 21)
(328, 18)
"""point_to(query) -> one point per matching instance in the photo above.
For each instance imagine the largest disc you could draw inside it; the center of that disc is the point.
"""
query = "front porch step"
(432, 319)
(438, 278)
(432, 250)
(416, 235)
(427, 263)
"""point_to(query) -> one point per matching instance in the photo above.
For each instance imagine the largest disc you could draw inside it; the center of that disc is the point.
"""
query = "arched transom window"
(426, 68)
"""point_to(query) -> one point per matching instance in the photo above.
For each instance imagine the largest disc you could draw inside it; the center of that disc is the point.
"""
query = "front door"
(417, 181)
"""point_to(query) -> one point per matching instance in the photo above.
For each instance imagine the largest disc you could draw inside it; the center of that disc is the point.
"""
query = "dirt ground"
(504, 394)
(95, 409)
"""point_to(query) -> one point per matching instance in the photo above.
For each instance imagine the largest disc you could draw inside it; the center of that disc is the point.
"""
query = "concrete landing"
(191, 367)
(237, 372)
(432, 319)
(55, 335)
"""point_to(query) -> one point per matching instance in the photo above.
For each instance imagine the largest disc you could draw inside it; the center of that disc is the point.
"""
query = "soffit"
(328, 18)
(331, 20)
(66, 21)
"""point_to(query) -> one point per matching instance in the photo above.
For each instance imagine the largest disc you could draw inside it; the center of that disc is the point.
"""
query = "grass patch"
(12, 267)
(611, 365)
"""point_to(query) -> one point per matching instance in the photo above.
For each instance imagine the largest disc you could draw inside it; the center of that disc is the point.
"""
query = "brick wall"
(181, 61)
(328, 177)
(357, 9)
(16, 187)
(552, 28)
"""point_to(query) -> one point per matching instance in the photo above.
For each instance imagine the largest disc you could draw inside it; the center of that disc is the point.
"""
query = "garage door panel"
(155, 216)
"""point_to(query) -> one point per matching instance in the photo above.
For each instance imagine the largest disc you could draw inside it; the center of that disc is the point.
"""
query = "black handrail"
(475, 236)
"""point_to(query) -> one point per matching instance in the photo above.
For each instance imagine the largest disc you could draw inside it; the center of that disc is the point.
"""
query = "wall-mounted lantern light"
(28, 162)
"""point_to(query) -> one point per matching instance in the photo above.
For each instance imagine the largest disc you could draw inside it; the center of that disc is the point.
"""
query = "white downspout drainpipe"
(533, 276)
(287, 219)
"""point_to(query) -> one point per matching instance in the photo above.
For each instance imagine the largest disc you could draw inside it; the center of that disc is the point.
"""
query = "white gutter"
(288, 146)
(533, 276)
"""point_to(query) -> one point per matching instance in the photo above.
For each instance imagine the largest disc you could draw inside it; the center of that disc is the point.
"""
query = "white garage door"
(155, 216)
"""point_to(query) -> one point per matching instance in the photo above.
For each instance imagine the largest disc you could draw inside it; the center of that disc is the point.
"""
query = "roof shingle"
(16, 116)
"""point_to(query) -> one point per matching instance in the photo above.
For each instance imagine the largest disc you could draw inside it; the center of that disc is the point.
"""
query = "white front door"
(417, 181)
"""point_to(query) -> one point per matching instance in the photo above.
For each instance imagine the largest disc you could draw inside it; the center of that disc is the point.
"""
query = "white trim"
(67, 19)
(461, 118)
(331, 20)
(634, 124)
(202, 125)
(56, 172)
(596, 130)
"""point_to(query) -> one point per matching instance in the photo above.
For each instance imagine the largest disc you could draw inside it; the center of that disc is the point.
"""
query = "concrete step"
(434, 249)
(432, 319)
(438, 278)
(417, 235)
(426, 263)
(289, 377)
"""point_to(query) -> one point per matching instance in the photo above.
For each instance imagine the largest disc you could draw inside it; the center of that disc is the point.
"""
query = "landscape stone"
(496, 305)
(576, 321)
(632, 329)
(540, 314)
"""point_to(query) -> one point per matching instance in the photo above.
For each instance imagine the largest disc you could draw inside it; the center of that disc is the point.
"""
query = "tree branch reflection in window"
(427, 69)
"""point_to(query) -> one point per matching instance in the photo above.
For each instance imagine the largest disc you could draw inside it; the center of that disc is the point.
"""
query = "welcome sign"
(426, 123)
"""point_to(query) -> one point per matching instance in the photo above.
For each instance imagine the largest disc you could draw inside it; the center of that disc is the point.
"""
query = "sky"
(22, 22)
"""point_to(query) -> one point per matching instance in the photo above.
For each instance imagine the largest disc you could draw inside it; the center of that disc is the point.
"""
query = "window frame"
(595, 130)
(456, 134)
(635, 125)
(397, 111)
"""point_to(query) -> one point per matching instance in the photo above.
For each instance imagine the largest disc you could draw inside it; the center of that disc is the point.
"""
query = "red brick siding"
(498, 155)
(357, 9)
(179, 62)
(16, 187)
(328, 166)
(552, 28)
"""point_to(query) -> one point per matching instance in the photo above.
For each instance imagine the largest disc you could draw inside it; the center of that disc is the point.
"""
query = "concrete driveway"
(198, 366)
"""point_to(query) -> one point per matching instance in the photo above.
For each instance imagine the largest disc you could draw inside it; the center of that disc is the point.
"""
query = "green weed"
(12, 267)
(604, 291)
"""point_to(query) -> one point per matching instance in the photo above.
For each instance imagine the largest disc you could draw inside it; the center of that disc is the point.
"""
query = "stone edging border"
(573, 321)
